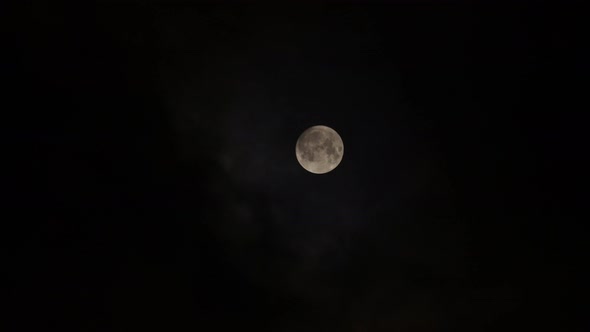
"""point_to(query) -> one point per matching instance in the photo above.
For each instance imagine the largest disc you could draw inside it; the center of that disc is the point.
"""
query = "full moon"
(319, 149)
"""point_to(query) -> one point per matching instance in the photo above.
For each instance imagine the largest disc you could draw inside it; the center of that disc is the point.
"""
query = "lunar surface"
(319, 149)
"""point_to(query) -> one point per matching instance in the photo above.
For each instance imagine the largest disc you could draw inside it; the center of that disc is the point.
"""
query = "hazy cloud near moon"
(310, 227)
(256, 155)
(277, 224)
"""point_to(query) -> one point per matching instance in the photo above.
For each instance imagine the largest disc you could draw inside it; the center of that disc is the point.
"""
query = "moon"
(319, 149)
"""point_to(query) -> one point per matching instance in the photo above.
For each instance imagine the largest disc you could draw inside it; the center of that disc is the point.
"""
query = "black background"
(153, 182)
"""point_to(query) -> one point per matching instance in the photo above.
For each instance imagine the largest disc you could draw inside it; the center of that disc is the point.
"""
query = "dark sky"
(154, 186)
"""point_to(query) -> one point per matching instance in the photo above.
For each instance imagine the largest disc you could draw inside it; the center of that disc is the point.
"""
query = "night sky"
(153, 183)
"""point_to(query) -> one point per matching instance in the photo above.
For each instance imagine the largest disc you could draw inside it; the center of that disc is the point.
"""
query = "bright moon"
(319, 149)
